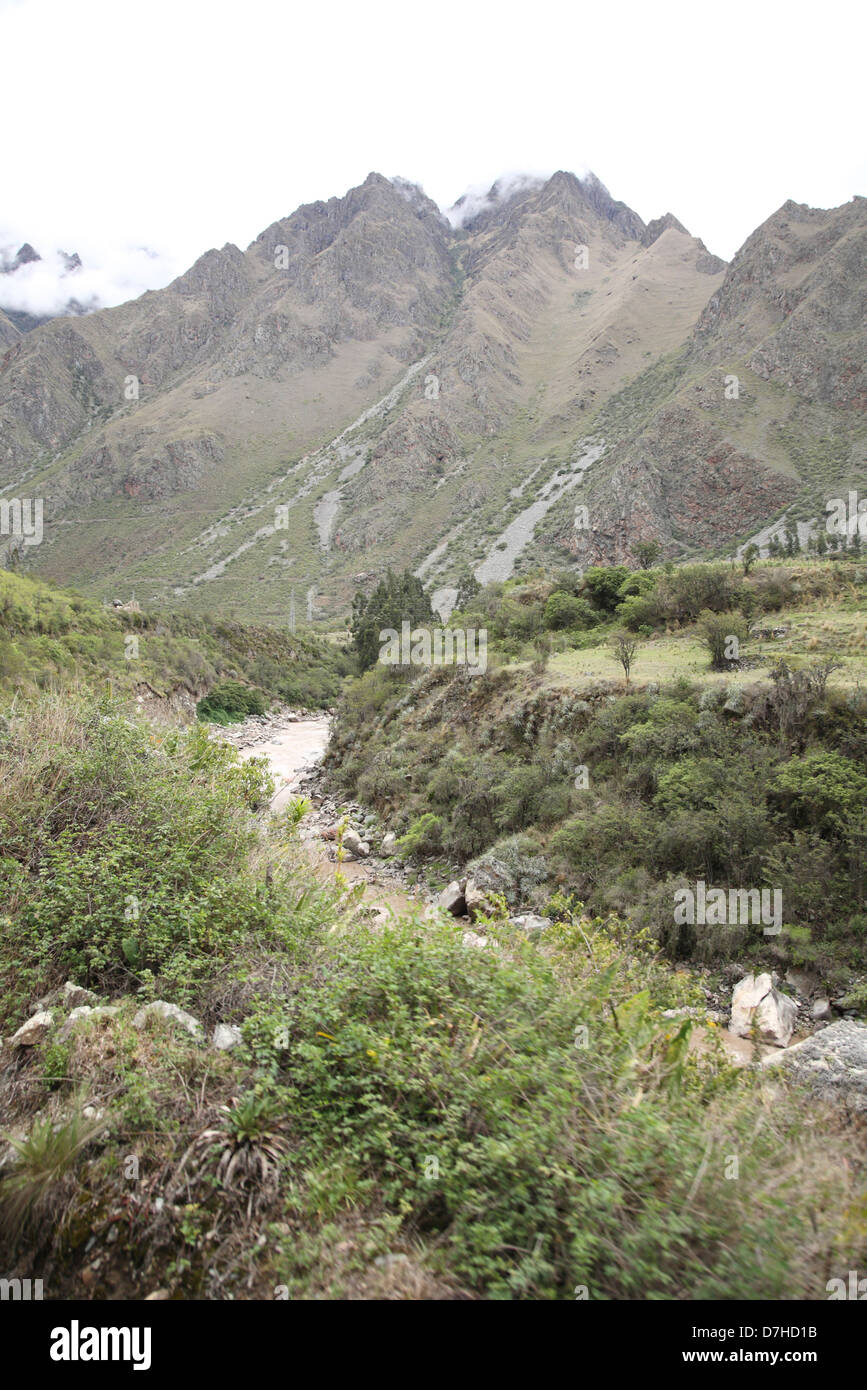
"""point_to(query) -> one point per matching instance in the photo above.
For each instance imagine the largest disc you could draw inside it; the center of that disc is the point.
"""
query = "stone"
(821, 1010)
(530, 923)
(34, 1030)
(226, 1036)
(832, 1064)
(802, 982)
(472, 938)
(74, 996)
(477, 903)
(354, 845)
(389, 843)
(452, 900)
(755, 998)
(161, 1009)
(85, 1011)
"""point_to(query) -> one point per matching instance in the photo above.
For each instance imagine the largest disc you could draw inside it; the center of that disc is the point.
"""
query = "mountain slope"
(369, 385)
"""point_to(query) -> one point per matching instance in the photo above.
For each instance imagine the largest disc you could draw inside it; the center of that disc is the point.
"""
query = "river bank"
(294, 744)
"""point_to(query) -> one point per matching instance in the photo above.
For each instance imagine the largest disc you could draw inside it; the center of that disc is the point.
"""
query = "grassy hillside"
(552, 773)
(55, 637)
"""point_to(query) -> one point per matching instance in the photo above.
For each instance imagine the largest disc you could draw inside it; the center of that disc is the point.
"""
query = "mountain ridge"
(547, 321)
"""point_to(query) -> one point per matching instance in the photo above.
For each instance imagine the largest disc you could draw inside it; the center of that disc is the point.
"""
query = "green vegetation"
(741, 784)
(397, 599)
(514, 1122)
(409, 1115)
(51, 637)
(230, 703)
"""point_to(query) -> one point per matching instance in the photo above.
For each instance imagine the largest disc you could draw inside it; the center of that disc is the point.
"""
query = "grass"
(812, 633)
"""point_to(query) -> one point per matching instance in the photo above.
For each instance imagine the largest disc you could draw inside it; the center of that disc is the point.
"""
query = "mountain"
(8, 331)
(372, 383)
(23, 320)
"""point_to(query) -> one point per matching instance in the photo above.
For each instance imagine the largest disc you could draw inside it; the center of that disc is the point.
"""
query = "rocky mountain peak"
(658, 225)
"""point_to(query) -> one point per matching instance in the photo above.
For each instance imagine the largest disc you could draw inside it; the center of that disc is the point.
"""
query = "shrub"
(230, 703)
(123, 855)
(444, 1073)
(425, 836)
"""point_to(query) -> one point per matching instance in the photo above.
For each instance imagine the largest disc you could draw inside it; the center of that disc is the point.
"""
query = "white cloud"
(46, 286)
(482, 196)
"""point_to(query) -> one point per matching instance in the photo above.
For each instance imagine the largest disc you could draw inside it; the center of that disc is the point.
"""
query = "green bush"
(125, 854)
(534, 1122)
(230, 703)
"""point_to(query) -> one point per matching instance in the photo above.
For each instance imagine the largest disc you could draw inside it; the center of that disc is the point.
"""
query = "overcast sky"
(179, 125)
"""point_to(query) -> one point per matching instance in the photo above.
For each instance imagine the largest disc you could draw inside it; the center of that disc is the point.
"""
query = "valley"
(433, 762)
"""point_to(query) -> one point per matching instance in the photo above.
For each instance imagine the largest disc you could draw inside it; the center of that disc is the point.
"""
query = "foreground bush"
(124, 853)
(536, 1125)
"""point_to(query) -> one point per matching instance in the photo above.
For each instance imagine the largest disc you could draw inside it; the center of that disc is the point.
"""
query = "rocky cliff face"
(368, 384)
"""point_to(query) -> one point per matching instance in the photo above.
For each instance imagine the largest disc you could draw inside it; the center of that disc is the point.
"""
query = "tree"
(646, 553)
(603, 584)
(562, 610)
(722, 634)
(468, 587)
(749, 557)
(624, 646)
(397, 599)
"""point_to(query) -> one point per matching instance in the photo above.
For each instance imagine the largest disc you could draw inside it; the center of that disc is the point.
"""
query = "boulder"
(34, 1030)
(74, 996)
(530, 923)
(821, 1010)
(452, 899)
(832, 1063)
(472, 938)
(85, 1011)
(171, 1012)
(477, 903)
(389, 843)
(226, 1036)
(756, 999)
(802, 982)
(354, 845)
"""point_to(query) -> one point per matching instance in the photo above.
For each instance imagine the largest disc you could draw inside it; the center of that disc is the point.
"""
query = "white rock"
(161, 1009)
(477, 903)
(754, 998)
(34, 1030)
(530, 923)
(388, 843)
(85, 1011)
(76, 995)
(472, 938)
(821, 1010)
(354, 845)
(225, 1037)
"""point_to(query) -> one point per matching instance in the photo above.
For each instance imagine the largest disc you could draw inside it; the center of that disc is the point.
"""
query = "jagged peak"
(658, 225)
(478, 200)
